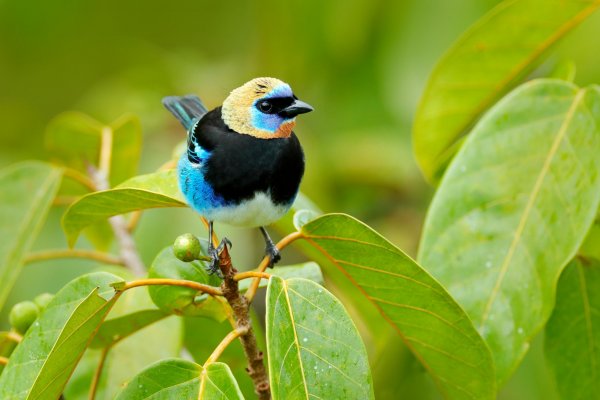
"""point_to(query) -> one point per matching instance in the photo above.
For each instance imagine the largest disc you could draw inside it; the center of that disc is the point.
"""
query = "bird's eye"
(265, 106)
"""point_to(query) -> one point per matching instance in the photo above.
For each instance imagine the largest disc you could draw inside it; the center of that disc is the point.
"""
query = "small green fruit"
(22, 315)
(42, 300)
(187, 247)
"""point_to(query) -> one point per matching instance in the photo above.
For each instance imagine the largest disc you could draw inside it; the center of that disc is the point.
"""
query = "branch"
(129, 254)
(72, 253)
(213, 291)
(251, 274)
(239, 304)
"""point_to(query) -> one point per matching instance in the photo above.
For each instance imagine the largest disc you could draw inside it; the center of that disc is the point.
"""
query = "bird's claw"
(273, 253)
(214, 266)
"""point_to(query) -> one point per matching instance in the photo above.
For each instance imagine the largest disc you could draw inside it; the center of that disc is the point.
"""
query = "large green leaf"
(26, 194)
(488, 60)
(313, 346)
(572, 341)
(512, 210)
(76, 138)
(431, 323)
(140, 336)
(183, 380)
(142, 192)
(43, 362)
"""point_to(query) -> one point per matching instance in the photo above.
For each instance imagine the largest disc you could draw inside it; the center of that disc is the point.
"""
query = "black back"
(240, 165)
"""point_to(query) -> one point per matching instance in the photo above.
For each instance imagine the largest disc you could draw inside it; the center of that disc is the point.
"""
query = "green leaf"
(27, 191)
(308, 270)
(431, 323)
(572, 340)
(313, 346)
(147, 341)
(512, 210)
(43, 362)
(142, 192)
(181, 300)
(7, 346)
(181, 379)
(126, 151)
(591, 245)
(485, 63)
(76, 138)
(116, 329)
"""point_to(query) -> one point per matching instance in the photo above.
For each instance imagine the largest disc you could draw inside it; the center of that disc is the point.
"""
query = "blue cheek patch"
(266, 122)
(270, 122)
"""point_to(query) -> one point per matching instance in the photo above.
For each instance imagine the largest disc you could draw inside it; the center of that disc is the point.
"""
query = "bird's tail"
(188, 109)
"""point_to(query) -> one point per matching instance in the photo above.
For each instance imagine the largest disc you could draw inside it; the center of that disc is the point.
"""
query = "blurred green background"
(362, 64)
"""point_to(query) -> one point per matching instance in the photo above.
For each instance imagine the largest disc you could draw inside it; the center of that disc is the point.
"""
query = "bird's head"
(264, 107)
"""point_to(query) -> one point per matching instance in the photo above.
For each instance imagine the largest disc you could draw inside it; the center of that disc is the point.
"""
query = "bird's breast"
(260, 210)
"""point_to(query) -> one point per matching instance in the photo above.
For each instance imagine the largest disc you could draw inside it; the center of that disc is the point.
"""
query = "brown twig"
(213, 291)
(72, 253)
(240, 306)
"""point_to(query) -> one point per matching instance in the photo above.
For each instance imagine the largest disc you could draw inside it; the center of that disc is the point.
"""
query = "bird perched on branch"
(243, 163)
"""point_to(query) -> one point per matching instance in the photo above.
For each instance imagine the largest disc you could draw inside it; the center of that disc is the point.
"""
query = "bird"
(243, 164)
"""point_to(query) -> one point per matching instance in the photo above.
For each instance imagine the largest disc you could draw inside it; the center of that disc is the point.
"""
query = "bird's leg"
(213, 267)
(270, 250)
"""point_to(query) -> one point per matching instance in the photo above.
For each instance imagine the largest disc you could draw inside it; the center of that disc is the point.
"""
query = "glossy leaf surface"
(485, 63)
(431, 323)
(26, 194)
(181, 379)
(505, 220)
(572, 340)
(142, 192)
(313, 346)
(43, 362)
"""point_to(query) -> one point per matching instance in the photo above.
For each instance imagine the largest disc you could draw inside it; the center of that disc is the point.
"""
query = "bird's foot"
(273, 253)
(214, 266)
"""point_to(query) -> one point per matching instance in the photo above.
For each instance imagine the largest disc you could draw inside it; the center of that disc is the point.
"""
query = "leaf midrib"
(530, 204)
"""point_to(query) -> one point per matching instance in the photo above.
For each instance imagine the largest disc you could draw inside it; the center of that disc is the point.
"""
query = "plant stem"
(213, 291)
(240, 306)
(3, 360)
(231, 336)
(14, 336)
(79, 177)
(98, 373)
(265, 263)
(72, 253)
(251, 274)
(129, 254)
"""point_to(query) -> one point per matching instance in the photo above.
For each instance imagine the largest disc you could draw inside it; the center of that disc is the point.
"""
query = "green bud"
(42, 300)
(187, 247)
(22, 315)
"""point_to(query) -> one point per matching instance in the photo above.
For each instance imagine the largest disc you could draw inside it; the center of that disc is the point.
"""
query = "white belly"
(258, 211)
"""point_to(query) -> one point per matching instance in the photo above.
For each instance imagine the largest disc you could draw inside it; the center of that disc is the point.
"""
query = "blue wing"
(187, 109)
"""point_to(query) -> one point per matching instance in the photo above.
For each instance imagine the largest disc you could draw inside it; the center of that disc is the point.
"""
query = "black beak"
(297, 107)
